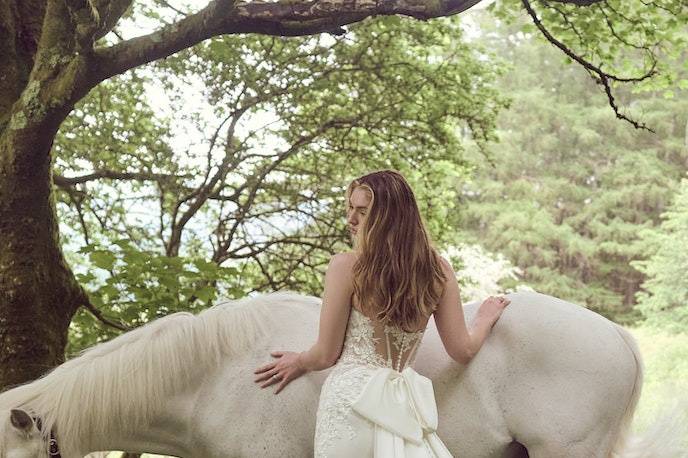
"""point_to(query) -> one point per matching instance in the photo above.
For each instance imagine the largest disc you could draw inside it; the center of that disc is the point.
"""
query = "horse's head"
(20, 435)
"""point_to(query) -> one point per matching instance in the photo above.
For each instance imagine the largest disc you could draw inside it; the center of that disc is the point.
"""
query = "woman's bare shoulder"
(344, 261)
(347, 256)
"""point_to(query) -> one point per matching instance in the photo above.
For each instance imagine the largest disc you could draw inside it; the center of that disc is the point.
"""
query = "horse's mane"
(122, 382)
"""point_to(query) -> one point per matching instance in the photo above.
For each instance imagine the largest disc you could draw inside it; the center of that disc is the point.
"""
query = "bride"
(376, 303)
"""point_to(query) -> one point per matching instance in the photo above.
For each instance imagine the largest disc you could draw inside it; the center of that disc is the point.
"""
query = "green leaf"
(205, 294)
(103, 259)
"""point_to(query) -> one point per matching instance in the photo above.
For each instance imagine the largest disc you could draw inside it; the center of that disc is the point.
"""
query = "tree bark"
(38, 292)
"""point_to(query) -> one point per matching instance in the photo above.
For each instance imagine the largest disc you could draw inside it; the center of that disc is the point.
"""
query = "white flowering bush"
(480, 272)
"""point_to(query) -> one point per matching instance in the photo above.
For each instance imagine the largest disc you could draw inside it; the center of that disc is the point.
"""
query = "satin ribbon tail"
(402, 407)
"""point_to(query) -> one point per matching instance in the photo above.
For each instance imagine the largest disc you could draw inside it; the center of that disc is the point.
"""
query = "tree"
(573, 187)
(167, 222)
(663, 300)
(612, 34)
(54, 54)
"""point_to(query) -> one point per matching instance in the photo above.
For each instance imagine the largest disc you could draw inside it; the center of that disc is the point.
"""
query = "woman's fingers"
(266, 375)
(283, 370)
(264, 368)
(268, 371)
(269, 365)
(269, 382)
(283, 383)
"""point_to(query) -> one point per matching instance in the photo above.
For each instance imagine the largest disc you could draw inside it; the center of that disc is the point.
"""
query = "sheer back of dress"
(368, 341)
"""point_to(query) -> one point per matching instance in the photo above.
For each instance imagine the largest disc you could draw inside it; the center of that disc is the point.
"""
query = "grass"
(666, 373)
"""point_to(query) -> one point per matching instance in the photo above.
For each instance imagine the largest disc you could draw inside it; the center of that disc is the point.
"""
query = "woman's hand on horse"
(284, 370)
(492, 307)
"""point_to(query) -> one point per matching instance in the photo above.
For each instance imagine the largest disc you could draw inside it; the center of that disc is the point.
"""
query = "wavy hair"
(398, 276)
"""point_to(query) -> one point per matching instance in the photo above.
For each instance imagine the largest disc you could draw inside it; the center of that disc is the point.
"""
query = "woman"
(376, 304)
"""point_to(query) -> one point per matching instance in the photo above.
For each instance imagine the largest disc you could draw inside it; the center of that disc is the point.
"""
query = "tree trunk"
(38, 292)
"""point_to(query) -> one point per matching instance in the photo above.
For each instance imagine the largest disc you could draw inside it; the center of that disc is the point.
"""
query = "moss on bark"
(38, 292)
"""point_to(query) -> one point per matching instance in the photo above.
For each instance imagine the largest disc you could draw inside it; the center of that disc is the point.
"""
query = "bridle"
(53, 449)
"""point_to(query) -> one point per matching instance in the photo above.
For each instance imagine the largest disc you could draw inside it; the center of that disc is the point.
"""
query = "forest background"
(219, 172)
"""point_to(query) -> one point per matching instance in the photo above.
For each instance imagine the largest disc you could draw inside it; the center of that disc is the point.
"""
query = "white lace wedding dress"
(373, 404)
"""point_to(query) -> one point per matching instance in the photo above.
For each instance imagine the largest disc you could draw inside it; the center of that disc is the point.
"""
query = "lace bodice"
(364, 377)
(368, 342)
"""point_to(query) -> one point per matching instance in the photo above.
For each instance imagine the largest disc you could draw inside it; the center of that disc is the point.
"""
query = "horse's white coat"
(553, 376)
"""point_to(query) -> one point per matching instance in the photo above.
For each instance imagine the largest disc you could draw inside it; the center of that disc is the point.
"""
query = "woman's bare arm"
(334, 315)
(460, 343)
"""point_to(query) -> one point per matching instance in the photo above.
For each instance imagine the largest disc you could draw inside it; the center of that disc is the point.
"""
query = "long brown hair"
(398, 276)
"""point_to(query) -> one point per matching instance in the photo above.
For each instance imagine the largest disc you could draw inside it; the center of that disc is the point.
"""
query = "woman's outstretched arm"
(459, 342)
(334, 315)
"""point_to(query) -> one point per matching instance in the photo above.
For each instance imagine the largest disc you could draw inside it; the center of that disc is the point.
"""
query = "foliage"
(137, 286)
(572, 186)
(481, 274)
(113, 131)
(663, 299)
(299, 117)
(626, 38)
(243, 158)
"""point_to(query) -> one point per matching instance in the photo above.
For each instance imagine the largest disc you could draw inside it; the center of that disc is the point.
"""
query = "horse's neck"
(167, 434)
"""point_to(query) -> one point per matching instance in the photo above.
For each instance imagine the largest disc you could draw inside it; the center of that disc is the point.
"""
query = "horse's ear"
(21, 420)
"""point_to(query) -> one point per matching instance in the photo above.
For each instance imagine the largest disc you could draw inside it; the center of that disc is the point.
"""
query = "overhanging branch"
(601, 77)
(579, 2)
(285, 18)
(64, 182)
(107, 13)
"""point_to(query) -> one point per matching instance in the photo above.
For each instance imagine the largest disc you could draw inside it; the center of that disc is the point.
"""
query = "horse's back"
(550, 370)
(569, 372)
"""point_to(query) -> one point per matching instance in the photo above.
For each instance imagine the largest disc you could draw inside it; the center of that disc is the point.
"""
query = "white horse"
(553, 378)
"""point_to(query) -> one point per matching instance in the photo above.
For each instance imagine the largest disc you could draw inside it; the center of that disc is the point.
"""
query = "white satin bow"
(402, 406)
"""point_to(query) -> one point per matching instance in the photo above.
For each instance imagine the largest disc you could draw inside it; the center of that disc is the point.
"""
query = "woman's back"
(372, 395)
(379, 344)
(373, 403)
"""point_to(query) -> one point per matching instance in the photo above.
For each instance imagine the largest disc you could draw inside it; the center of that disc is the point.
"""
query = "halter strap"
(53, 449)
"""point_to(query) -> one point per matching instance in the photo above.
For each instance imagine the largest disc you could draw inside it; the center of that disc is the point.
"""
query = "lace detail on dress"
(359, 342)
(401, 341)
(351, 373)
(338, 393)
